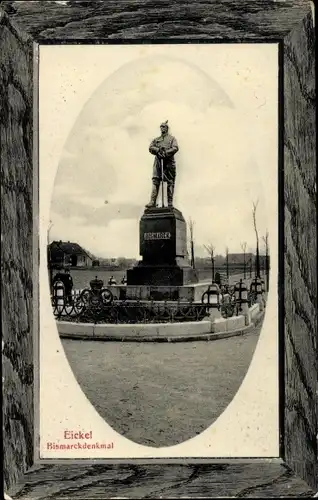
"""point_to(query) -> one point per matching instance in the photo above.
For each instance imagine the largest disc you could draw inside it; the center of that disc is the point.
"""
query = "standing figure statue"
(164, 168)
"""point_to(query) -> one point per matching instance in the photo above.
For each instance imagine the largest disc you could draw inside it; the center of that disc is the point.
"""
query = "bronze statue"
(164, 168)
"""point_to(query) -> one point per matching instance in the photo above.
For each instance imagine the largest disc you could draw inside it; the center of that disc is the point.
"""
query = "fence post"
(212, 297)
(59, 296)
(257, 285)
(241, 301)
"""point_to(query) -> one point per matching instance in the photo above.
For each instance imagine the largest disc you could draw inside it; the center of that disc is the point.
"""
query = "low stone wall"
(254, 311)
(210, 329)
(90, 330)
(229, 324)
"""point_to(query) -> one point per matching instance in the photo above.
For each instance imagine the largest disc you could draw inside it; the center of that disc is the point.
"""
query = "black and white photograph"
(158, 208)
(158, 249)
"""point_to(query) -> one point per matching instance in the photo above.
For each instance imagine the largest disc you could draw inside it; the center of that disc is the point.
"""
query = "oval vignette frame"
(291, 24)
(91, 110)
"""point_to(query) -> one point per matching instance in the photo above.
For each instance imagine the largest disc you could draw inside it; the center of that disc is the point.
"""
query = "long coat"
(169, 143)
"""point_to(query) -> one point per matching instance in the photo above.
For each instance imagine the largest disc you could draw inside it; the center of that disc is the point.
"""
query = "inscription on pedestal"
(163, 247)
(157, 236)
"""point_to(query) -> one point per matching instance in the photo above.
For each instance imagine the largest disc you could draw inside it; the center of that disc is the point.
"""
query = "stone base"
(163, 248)
(187, 293)
(161, 275)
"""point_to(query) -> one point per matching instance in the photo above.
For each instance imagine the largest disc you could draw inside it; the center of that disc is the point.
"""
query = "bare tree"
(210, 249)
(243, 246)
(265, 239)
(257, 270)
(191, 226)
(227, 263)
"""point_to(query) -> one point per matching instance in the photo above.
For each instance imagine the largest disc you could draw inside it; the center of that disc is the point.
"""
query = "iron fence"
(228, 304)
(100, 306)
(89, 307)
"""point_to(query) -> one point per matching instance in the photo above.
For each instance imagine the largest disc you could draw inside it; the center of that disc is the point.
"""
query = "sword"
(162, 193)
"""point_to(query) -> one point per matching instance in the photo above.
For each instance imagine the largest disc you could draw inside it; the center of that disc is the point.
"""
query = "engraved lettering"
(157, 236)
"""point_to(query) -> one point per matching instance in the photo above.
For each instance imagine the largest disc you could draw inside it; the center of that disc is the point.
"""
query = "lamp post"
(191, 225)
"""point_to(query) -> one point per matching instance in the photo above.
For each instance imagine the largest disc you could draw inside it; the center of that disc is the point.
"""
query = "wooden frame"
(23, 25)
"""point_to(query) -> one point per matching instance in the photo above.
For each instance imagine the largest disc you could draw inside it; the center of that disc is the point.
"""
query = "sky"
(100, 106)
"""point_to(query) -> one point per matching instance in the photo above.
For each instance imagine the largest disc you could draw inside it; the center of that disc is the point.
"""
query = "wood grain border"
(24, 25)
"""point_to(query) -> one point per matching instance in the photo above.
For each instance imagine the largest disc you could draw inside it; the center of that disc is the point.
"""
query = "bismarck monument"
(163, 231)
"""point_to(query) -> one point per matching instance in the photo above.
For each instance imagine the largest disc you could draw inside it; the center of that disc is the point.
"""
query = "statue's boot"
(153, 197)
(170, 191)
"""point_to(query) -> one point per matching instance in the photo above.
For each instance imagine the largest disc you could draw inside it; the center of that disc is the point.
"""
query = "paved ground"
(161, 394)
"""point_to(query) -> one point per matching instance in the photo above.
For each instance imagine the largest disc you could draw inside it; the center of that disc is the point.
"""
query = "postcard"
(158, 252)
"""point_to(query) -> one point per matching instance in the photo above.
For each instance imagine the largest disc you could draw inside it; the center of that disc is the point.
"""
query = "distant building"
(63, 253)
(262, 261)
(238, 258)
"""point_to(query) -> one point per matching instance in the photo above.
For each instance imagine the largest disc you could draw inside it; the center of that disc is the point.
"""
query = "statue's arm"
(153, 148)
(173, 149)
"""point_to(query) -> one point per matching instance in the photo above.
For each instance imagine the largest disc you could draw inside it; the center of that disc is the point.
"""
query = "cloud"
(113, 212)
(91, 215)
(106, 159)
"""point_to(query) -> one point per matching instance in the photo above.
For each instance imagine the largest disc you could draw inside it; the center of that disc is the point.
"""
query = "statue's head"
(164, 127)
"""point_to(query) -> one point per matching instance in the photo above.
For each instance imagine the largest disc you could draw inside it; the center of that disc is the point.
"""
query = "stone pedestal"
(187, 293)
(163, 247)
